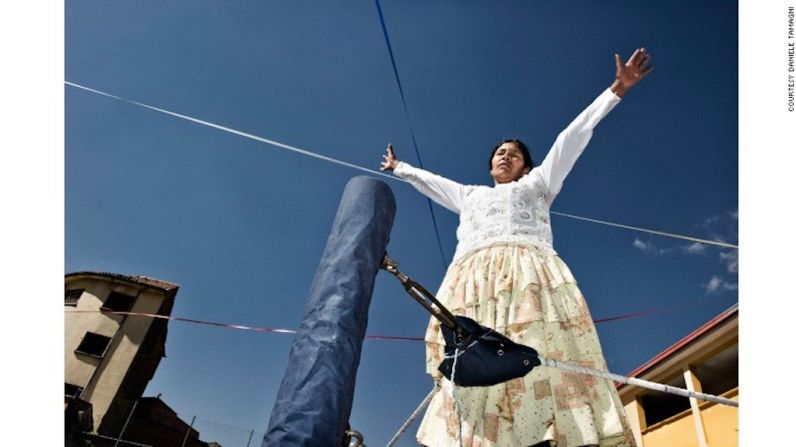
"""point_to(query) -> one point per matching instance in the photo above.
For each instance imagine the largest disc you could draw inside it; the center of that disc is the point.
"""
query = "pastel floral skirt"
(531, 297)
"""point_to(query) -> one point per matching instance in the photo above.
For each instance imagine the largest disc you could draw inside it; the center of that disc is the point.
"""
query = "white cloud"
(645, 247)
(650, 248)
(695, 248)
(730, 258)
(713, 285)
(712, 220)
(722, 227)
(716, 285)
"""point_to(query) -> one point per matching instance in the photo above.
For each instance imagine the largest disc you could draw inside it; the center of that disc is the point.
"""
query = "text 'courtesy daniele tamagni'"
(791, 68)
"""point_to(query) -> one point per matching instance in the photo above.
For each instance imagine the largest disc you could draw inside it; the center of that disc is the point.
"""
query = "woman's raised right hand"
(390, 161)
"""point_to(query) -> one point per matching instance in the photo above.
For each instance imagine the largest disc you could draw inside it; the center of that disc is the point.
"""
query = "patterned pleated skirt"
(531, 297)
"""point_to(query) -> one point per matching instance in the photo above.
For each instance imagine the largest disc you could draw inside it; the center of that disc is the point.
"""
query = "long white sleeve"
(573, 140)
(445, 192)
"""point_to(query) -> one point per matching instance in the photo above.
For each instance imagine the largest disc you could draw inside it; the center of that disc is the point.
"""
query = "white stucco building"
(109, 354)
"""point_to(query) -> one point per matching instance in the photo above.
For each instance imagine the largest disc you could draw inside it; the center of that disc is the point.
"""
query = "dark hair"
(526, 154)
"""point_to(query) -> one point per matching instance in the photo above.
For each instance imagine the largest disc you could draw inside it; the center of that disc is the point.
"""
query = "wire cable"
(645, 230)
(236, 132)
(669, 389)
(420, 408)
(411, 128)
(371, 171)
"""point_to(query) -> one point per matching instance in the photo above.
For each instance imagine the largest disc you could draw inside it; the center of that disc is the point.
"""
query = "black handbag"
(484, 357)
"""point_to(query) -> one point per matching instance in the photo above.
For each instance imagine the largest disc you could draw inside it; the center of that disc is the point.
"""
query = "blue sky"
(240, 225)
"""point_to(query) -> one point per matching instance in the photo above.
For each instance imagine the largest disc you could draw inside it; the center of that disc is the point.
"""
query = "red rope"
(368, 337)
(650, 312)
(234, 326)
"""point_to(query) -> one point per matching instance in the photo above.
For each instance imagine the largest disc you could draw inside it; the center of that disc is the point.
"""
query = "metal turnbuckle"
(424, 297)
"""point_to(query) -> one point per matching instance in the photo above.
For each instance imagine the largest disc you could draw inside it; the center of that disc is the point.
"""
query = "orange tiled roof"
(143, 280)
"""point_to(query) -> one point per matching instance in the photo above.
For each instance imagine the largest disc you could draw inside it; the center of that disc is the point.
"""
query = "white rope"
(637, 382)
(453, 393)
(116, 439)
(591, 372)
(361, 168)
(659, 233)
(420, 408)
(237, 132)
(578, 370)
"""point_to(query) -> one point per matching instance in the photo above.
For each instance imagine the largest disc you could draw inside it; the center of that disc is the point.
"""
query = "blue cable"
(411, 129)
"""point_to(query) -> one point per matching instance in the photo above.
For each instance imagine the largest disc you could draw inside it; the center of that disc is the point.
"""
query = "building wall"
(80, 368)
(154, 423)
(102, 378)
(635, 417)
(676, 431)
(709, 356)
(721, 422)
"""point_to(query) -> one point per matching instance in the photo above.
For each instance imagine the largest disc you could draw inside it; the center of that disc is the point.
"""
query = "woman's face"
(508, 164)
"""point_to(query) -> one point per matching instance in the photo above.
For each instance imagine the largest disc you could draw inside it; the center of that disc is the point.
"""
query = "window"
(719, 373)
(659, 406)
(118, 302)
(72, 296)
(93, 344)
(72, 390)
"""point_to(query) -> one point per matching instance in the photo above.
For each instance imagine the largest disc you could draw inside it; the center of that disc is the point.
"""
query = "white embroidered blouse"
(519, 211)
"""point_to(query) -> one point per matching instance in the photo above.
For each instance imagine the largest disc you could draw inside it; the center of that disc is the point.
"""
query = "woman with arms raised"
(506, 275)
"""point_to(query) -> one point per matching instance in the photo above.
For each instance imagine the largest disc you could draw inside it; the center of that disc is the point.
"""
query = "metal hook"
(355, 437)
